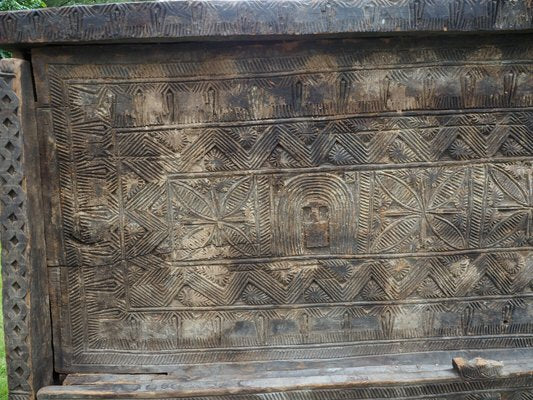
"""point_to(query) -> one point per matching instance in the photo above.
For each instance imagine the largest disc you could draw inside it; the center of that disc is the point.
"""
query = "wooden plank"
(393, 381)
(437, 363)
(25, 289)
(222, 19)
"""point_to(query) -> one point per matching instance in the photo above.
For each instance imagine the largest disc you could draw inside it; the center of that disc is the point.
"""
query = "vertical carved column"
(25, 294)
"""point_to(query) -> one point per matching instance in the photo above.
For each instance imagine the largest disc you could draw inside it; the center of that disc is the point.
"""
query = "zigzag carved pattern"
(111, 324)
(329, 281)
(181, 19)
(350, 141)
(193, 221)
(177, 220)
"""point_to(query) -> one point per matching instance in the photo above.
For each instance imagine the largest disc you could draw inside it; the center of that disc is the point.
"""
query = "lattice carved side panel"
(25, 298)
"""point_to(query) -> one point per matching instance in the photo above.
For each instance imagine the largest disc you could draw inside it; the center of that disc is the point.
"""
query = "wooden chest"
(308, 200)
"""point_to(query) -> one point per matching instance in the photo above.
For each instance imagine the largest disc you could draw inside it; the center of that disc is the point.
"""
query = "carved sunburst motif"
(315, 294)
(339, 156)
(423, 213)
(217, 217)
(400, 153)
(461, 151)
(510, 216)
(284, 272)
(190, 297)
(372, 291)
(217, 274)
(254, 296)
(429, 289)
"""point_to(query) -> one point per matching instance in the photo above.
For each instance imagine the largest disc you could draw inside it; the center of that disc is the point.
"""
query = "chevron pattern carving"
(224, 18)
(361, 201)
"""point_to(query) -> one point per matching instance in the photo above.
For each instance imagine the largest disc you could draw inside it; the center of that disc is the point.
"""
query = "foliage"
(6, 5)
(61, 3)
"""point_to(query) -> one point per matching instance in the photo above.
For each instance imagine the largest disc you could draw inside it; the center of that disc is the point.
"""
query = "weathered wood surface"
(298, 200)
(437, 363)
(327, 218)
(25, 291)
(315, 380)
(218, 19)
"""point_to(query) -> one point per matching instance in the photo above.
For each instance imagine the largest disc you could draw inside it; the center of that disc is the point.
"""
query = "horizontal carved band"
(260, 202)
(275, 18)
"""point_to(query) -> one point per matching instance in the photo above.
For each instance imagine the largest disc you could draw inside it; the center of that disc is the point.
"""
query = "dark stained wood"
(25, 290)
(231, 19)
(328, 216)
(285, 201)
(329, 379)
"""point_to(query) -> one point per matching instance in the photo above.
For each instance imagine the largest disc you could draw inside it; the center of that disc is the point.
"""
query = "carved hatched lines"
(350, 141)
(167, 359)
(176, 101)
(93, 154)
(509, 200)
(180, 19)
(217, 219)
(328, 281)
(508, 389)
(490, 279)
(336, 56)
(251, 326)
(425, 210)
(190, 218)
(15, 266)
(181, 318)
(193, 222)
(146, 223)
(347, 141)
(409, 210)
(496, 389)
(353, 142)
(438, 209)
(85, 154)
(198, 219)
(90, 211)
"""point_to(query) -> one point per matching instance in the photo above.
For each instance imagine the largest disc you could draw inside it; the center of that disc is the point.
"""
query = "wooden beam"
(25, 293)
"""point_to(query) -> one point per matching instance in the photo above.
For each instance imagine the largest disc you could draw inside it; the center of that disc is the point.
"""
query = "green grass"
(3, 374)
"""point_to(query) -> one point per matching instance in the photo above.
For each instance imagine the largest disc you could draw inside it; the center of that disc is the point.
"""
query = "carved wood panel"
(226, 19)
(25, 303)
(295, 200)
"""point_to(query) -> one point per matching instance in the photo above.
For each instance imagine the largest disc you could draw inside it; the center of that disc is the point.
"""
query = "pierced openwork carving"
(25, 301)
(14, 238)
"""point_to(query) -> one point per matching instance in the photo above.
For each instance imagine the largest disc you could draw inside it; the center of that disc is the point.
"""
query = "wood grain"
(25, 289)
(257, 19)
